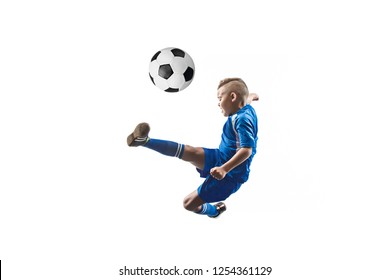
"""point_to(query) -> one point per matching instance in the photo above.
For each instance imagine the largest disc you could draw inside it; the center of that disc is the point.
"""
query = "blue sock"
(165, 147)
(208, 209)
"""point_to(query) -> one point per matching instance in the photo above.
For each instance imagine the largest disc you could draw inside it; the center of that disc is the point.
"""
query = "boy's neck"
(238, 108)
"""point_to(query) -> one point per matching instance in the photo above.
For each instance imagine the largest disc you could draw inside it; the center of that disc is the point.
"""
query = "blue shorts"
(213, 190)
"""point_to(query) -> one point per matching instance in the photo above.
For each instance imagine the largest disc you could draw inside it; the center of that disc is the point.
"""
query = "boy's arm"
(220, 172)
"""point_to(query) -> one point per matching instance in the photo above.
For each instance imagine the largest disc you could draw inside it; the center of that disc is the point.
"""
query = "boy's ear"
(233, 96)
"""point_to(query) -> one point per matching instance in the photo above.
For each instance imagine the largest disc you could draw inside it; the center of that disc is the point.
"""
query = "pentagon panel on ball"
(171, 69)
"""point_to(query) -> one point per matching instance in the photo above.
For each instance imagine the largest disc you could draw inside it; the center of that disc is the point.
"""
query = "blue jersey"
(239, 131)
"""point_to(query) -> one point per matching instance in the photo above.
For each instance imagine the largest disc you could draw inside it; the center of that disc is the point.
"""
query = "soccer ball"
(171, 69)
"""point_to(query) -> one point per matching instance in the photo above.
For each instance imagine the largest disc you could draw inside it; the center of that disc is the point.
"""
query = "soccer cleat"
(139, 137)
(221, 207)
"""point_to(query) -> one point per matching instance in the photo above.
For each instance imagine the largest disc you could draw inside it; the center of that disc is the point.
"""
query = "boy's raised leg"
(140, 137)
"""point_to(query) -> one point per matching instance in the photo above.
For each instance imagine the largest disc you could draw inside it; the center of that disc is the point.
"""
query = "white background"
(77, 203)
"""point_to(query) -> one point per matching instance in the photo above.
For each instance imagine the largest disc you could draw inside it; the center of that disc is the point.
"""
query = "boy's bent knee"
(192, 202)
(188, 205)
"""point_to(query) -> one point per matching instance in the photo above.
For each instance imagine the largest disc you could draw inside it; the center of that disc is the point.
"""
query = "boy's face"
(226, 100)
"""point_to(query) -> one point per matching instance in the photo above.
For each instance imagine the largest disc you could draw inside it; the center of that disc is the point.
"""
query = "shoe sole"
(141, 130)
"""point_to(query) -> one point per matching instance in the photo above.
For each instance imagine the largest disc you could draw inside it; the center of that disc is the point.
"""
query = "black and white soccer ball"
(171, 69)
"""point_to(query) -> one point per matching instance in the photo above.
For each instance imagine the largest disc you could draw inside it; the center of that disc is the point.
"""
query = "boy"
(225, 168)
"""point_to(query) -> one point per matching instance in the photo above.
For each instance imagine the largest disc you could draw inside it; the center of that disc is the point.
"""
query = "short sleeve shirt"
(239, 131)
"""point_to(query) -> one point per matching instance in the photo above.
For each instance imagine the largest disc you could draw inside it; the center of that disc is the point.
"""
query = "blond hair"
(237, 85)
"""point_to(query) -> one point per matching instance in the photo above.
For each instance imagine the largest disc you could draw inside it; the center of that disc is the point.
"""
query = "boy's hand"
(252, 97)
(218, 173)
